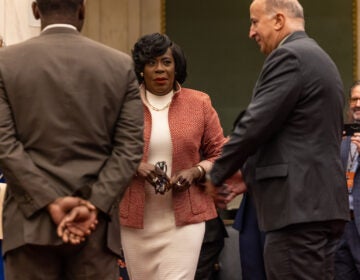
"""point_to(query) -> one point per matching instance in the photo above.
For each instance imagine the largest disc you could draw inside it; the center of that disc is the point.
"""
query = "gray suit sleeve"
(275, 95)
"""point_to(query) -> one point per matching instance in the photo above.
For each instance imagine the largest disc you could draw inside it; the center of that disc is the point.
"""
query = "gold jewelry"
(153, 107)
(202, 171)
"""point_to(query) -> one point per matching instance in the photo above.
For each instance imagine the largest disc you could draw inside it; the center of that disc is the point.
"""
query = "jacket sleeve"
(275, 96)
(213, 138)
(127, 152)
(29, 188)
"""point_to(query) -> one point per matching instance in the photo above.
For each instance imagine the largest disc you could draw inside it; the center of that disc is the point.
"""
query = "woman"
(162, 215)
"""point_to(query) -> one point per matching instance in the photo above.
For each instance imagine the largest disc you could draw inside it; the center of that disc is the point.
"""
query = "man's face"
(262, 28)
(355, 103)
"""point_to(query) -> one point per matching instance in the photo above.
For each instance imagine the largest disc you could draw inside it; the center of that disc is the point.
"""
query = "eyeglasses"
(354, 100)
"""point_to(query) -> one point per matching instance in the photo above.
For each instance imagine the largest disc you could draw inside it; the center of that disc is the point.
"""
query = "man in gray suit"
(70, 141)
(290, 136)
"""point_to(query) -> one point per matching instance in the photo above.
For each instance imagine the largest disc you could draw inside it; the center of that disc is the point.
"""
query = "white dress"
(161, 251)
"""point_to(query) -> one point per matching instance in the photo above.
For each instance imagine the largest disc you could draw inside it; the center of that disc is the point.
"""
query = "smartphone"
(351, 128)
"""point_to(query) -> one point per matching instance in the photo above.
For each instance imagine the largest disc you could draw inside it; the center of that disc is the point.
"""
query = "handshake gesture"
(231, 188)
(75, 218)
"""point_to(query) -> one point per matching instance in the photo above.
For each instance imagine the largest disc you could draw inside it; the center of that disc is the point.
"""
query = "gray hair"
(292, 7)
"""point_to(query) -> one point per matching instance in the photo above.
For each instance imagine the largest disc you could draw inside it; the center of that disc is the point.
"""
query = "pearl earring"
(141, 74)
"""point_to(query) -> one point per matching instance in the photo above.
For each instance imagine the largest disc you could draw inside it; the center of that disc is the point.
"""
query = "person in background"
(289, 136)
(164, 210)
(251, 240)
(208, 265)
(70, 141)
(347, 258)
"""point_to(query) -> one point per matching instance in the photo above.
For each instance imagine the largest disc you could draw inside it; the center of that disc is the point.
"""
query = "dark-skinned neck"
(75, 22)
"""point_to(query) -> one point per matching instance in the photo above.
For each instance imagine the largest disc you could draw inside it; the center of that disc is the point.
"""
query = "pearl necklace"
(155, 108)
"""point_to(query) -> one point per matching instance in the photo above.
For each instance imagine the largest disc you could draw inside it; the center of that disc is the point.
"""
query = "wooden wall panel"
(119, 23)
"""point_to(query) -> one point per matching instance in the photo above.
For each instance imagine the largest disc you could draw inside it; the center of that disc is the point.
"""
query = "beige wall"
(119, 23)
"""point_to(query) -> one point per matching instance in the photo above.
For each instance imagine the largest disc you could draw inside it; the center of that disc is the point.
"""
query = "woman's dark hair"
(153, 45)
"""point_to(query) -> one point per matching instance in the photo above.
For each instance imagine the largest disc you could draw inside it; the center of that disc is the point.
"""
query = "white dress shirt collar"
(59, 25)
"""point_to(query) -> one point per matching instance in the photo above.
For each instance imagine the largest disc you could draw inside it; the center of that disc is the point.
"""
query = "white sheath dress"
(161, 251)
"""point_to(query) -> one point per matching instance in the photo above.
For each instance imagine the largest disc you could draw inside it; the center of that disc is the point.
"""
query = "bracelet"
(202, 171)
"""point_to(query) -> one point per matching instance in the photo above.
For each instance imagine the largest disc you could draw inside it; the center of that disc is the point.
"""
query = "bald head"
(291, 7)
(273, 20)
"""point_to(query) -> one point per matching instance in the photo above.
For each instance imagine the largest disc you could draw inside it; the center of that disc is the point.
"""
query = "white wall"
(2, 18)
(16, 21)
(117, 23)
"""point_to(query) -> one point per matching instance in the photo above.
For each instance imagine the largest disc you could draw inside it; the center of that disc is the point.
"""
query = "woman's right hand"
(150, 172)
(146, 170)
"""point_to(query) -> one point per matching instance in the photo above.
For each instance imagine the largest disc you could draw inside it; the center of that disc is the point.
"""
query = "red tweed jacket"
(194, 127)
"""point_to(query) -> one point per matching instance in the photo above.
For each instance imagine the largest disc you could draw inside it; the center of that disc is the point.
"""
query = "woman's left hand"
(182, 180)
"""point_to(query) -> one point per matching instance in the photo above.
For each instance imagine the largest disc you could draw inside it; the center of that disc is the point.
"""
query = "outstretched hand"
(232, 187)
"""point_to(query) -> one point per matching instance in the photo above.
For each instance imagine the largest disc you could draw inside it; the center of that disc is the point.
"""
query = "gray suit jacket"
(71, 124)
(292, 127)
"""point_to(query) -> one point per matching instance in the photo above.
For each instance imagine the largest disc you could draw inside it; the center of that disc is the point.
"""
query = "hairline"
(294, 9)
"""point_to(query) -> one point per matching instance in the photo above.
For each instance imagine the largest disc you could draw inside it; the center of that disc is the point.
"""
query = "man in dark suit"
(292, 131)
(70, 141)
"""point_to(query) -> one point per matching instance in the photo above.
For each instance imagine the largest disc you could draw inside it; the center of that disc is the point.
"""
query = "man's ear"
(35, 10)
(82, 11)
(279, 21)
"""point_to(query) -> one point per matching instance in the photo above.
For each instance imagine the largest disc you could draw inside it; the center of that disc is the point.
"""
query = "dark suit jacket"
(214, 230)
(345, 149)
(292, 127)
(71, 123)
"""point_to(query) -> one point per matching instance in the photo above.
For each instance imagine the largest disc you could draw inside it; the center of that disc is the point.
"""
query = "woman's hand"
(155, 175)
(184, 178)
(145, 170)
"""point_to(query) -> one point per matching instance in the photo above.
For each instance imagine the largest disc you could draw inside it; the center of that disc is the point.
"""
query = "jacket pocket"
(271, 171)
(197, 200)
